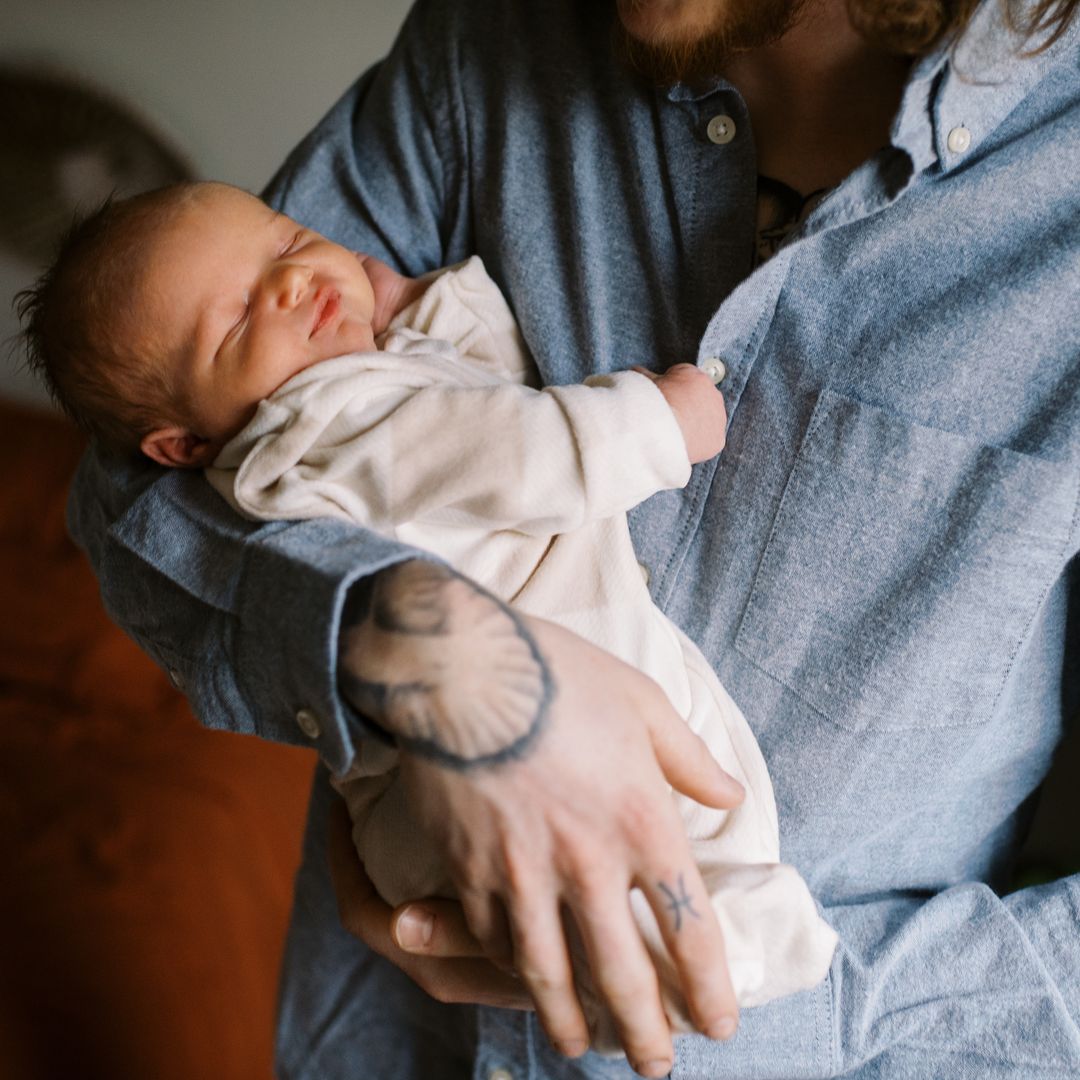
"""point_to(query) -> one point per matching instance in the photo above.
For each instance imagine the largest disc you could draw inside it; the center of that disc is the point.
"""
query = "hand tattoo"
(447, 669)
(678, 901)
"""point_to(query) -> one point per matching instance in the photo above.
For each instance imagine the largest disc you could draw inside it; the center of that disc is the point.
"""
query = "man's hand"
(542, 765)
(698, 407)
(439, 955)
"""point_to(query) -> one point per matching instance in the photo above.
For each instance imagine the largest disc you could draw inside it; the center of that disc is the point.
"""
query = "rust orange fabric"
(146, 864)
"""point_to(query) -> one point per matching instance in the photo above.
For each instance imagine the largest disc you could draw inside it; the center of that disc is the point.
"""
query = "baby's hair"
(73, 314)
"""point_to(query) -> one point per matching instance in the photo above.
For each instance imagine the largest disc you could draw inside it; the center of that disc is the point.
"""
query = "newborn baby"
(203, 328)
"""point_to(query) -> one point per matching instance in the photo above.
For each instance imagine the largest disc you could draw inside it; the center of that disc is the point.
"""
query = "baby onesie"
(441, 439)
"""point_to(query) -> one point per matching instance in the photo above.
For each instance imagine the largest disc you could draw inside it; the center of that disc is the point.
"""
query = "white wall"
(233, 85)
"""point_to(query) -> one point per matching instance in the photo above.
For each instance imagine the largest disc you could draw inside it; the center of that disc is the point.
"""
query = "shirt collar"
(972, 84)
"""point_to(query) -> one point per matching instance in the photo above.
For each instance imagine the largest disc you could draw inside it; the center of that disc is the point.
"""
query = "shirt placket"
(739, 327)
(710, 148)
(504, 1046)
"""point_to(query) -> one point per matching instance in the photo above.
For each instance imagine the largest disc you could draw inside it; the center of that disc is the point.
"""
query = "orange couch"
(146, 864)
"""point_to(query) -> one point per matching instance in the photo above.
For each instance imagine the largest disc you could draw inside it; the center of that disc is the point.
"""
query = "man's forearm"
(449, 671)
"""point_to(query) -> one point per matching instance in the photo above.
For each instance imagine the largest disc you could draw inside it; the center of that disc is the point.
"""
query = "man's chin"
(661, 23)
(667, 43)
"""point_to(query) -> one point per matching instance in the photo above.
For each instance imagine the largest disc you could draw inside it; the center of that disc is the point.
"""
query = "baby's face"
(241, 299)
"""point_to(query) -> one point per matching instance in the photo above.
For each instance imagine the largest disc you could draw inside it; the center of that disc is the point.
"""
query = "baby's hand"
(698, 407)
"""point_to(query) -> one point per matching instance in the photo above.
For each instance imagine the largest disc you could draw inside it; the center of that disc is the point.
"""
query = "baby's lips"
(327, 304)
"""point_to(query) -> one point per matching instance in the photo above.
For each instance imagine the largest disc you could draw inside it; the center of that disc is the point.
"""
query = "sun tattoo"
(445, 668)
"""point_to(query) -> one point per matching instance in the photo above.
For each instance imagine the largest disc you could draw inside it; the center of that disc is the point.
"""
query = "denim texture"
(881, 565)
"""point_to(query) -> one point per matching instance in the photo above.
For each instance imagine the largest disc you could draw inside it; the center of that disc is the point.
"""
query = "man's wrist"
(447, 670)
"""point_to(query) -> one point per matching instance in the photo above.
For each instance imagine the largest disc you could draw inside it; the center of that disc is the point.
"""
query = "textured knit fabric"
(435, 441)
(880, 567)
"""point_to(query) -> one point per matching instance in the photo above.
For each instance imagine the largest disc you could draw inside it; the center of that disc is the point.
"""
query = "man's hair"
(912, 27)
(74, 318)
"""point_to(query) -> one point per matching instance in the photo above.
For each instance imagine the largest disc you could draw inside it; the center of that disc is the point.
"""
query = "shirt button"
(308, 723)
(500, 1074)
(959, 140)
(720, 129)
(715, 368)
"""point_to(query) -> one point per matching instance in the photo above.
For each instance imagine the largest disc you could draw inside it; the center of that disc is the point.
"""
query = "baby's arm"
(466, 308)
(427, 431)
(386, 438)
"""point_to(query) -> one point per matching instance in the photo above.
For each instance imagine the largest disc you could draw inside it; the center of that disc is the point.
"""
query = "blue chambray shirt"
(881, 565)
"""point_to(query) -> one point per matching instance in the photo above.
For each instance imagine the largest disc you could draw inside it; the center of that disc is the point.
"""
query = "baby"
(206, 330)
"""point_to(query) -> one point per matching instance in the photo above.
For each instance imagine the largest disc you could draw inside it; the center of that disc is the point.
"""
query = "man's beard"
(738, 26)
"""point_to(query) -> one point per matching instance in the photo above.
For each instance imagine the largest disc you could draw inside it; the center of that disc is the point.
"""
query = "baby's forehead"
(213, 212)
(154, 308)
(222, 202)
(207, 229)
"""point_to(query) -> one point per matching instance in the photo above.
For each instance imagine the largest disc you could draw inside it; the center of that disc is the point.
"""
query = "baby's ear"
(177, 448)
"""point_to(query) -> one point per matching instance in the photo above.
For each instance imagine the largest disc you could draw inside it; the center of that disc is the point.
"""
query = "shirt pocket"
(904, 568)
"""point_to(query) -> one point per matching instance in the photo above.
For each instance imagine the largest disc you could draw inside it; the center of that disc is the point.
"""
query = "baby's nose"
(291, 284)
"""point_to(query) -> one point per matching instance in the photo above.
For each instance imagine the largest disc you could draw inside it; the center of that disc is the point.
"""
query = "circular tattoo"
(446, 668)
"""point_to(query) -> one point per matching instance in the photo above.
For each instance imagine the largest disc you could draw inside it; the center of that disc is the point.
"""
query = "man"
(866, 232)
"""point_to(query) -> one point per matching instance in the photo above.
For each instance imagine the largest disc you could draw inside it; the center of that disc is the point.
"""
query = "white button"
(175, 678)
(308, 723)
(645, 575)
(721, 129)
(715, 368)
(959, 140)
(500, 1074)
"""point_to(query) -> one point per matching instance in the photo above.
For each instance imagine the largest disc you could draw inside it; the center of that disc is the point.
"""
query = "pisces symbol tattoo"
(678, 901)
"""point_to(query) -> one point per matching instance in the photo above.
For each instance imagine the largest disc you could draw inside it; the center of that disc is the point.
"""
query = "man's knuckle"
(626, 993)
(541, 979)
(698, 965)
(470, 869)
(640, 820)
(592, 884)
(651, 697)
(519, 870)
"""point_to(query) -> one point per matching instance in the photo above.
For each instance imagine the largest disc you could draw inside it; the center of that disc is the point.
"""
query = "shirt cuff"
(307, 569)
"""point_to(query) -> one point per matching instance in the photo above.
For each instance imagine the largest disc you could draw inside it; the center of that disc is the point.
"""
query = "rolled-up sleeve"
(243, 616)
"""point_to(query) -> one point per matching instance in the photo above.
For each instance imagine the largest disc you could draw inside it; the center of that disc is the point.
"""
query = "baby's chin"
(354, 335)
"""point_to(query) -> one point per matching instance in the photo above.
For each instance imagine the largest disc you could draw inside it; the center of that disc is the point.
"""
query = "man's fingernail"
(656, 1068)
(572, 1049)
(414, 928)
(723, 1028)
